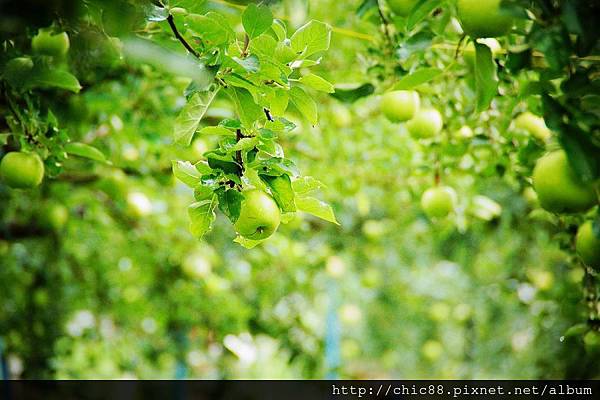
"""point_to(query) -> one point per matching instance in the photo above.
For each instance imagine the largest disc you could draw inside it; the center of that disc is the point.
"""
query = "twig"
(238, 154)
(268, 114)
(386, 23)
(185, 44)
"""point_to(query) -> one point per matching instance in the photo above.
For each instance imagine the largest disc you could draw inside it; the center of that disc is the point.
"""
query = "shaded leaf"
(190, 116)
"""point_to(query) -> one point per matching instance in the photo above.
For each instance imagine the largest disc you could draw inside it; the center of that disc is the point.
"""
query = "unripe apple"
(22, 170)
(558, 187)
(588, 245)
(342, 118)
(49, 44)
(591, 342)
(534, 125)
(18, 70)
(426, 123)
(438, 202)
(432, 350)
(54, 216)
(400, 105)
(138, 204)
(464, 132)
(483, 18)
(259, 215)
(402, 7)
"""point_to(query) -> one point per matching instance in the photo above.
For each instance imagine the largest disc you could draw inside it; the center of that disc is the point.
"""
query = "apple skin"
(46, 43)
(18, 70)
(22, 170)
(588, 245)
(558, 188)
(438, 202)
(259, 215)
(534, 125)
(54, 216)
(400, 105)
(401, 7)
(483, 18)
(426, 123)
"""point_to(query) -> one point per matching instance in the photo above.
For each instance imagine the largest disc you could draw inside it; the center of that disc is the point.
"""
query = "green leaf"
(85, 150)
(186, 173)
(245, 144)
(317, 83)
(420, 11)
(247, 110)
(230, 203)
(486, 80)
(247, 243)
(350, 94)
(305, 104)
(215, 130)
(256, 19)
(311, 38)
(212, 28)
(190, 116)
(417, 78)
(317, 208)
(280, 29)
(202, 216)
(54, 78)
(170, 62)
(306, 185)
(281, 188)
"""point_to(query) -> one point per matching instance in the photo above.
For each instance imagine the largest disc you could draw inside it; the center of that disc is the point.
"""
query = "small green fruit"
(426, 123)
(534, 125)
(46, 43)
(483, 18)
(438, 202)
(22, 170)
(54, 216)
(558, 187)
(259, 216)
(402, 7)
(400, 105)
(588, 245)
(18, 70)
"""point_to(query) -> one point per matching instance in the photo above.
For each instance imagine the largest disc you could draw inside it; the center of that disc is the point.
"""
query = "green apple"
(18, 71)
(54, 216)
(22, 170)
(138, 204)
(558, 187)
(588, 245)
(534, 125)
(400, 105)
(259, 215)
(432, 350)
(49, 44)
(426, 123)
(591, 342)
(464, 132)
(342, 117)
(483, 18)
(438, 202)
(402, 7)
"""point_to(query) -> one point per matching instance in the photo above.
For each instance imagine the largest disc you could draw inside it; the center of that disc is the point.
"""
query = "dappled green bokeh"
(124, 290)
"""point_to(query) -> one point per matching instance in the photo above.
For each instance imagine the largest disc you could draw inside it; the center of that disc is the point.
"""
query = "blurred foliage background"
(122, 290)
